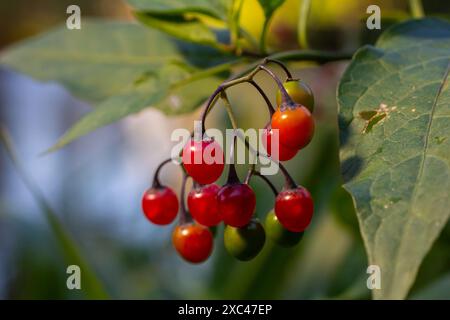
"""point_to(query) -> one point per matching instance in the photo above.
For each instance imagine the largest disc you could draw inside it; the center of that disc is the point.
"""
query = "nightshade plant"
(394, 107)
(202, 159)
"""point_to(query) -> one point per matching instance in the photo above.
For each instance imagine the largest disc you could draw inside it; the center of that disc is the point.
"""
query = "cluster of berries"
(234, 203)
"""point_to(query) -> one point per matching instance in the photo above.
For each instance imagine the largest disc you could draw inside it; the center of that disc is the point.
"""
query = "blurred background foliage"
(95, 184)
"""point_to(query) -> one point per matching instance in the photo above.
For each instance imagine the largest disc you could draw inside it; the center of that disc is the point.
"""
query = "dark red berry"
(284, 153)
(294, 209)
(203, 160)
(193, 242)
(203, 205)
(295, 126)
(237, 203)
(160, 205)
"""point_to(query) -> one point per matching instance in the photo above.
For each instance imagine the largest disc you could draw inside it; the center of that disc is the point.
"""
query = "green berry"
(246, 242)
(280, 235)
(300, 92)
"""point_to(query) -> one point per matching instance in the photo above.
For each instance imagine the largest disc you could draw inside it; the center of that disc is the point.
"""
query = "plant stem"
(289, 180)
(208, 72)
(312, 55)
(227, 104)
(253, 172)
(234, 15)
(185, 217)
(317, 56)
(264, 95)
(156, 183)
(213, 98)
(416, 8)
(280, 64)
(286, 99)
(231, 24)
(303, 24)
(262, 39)
(290, 183)
(232, 174)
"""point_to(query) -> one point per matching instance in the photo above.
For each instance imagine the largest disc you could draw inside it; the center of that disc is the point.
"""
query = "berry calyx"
(294, 209)
(160, 205)
(203, 205)
(284, 153)
(279, 234)
(245, 243)
(203, 160)
(295, 125)
(300, 92)
(193, 242)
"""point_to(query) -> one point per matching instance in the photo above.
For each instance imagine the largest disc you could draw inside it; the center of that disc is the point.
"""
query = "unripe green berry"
(300, 92)
(280, 235)
(246, 242)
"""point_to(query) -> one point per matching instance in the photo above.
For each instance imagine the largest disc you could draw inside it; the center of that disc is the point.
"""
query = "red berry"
(203, 205)
(160, 205)
(295, 125)
(294, 209)
(237, 203)
(284, 153)
(193, 242)
(203, 160)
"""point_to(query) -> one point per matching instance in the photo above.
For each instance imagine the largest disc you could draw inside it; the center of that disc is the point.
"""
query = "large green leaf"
(122, 67)
(159, 90)
(188, 29)
(214, 8)
(394, 102)
(96, 62)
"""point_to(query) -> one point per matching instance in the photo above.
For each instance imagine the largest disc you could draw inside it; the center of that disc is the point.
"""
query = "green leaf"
(394, 102)
(269, 6)
(170, 90)
(93, 288)
(96, 62)
(122, 68)
(213, 8)
(191, 29)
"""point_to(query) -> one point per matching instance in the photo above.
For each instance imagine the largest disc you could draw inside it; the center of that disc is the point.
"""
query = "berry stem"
(185, 217)
(290, 182)
(253, 172)
(232, 174)
(156, 182)
(280, 64)
(285, 98)
(263, 94)
(210, 103)
(227, 104)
